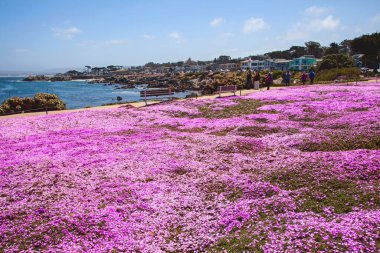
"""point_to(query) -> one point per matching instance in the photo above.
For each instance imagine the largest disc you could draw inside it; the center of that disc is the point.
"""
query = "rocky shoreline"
(123, 82)
(205, 82)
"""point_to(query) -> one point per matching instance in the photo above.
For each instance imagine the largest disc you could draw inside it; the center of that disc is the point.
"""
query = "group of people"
(255, 78)
(311, 77)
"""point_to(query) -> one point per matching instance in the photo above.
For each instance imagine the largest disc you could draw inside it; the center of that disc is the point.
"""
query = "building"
(246, 64)
(302, 63)
(258, 64)
(281, 64)
(229, 66)
(120, 72)
(267, 64)
(358, 60)
(194, 68)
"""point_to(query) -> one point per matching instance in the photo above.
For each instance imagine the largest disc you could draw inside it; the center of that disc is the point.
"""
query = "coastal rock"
(60, 78)
(36, 78)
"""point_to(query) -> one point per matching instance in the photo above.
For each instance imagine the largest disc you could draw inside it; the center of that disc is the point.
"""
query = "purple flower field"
(286, 170)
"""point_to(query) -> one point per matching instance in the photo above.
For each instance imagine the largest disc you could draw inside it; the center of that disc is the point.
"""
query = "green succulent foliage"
(40, 102)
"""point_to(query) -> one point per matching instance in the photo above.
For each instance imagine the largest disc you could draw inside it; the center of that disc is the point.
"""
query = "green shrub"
(277, 74)
(40, 102)
(333, 61)
(332, 74)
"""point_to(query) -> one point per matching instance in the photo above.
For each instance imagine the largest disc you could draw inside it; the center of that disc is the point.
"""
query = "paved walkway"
(141, 104)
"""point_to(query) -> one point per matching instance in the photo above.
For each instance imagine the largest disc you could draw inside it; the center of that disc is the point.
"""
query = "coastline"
(133, 104)
(142, 103)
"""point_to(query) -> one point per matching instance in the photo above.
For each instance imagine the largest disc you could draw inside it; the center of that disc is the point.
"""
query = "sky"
(38, 35)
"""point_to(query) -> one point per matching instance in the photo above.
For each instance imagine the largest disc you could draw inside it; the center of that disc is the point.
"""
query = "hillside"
(291, 169)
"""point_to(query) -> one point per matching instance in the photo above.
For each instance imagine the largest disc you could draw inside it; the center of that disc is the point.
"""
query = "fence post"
(46, 110)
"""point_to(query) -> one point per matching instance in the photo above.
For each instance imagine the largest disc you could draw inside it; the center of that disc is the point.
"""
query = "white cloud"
(315, 20)
(67, 33)
(328, 23)
(116, 42)
(316, 11)
(216, 22)
(175, 35)
(254, 25)
(149, 37)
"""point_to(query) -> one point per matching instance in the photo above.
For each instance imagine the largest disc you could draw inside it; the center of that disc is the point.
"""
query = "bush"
(332, 74)
(277, 74)
(40, 101)
(334, 61)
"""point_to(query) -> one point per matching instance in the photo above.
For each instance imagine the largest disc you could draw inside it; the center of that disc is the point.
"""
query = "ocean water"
(76, 94)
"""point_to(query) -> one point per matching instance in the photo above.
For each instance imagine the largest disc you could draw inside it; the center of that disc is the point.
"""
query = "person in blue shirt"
(311, 76)
(287, 78)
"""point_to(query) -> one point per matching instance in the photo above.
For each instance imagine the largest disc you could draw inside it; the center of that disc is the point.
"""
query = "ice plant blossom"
(288, 170)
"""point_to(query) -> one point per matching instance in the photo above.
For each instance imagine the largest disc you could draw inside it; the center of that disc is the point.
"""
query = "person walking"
(248, 82)
(256, 80)
(287, 78)
(303, 77)
(311, 76)
(269, 80)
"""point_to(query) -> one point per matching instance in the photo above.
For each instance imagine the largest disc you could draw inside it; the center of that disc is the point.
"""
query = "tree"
(223, 59)
(279, 54)
(336, 61)
(112, 68)
(96, 70)
(345, 47)
(297, 51)
(72, 73)
(314, 48)
(334, 48)
(151, 65)
(180, 64)
(369, 45)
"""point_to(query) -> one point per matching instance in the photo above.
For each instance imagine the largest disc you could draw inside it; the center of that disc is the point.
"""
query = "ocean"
(76, 94)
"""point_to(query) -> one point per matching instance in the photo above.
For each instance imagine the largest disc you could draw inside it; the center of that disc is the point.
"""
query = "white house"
(246, 64)
(267, 64)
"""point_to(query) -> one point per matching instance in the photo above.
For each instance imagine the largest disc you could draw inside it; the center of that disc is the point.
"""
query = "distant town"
(191, 74)
(222, 63)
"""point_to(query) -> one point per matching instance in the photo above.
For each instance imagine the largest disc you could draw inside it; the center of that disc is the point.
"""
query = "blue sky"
(42, 34)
